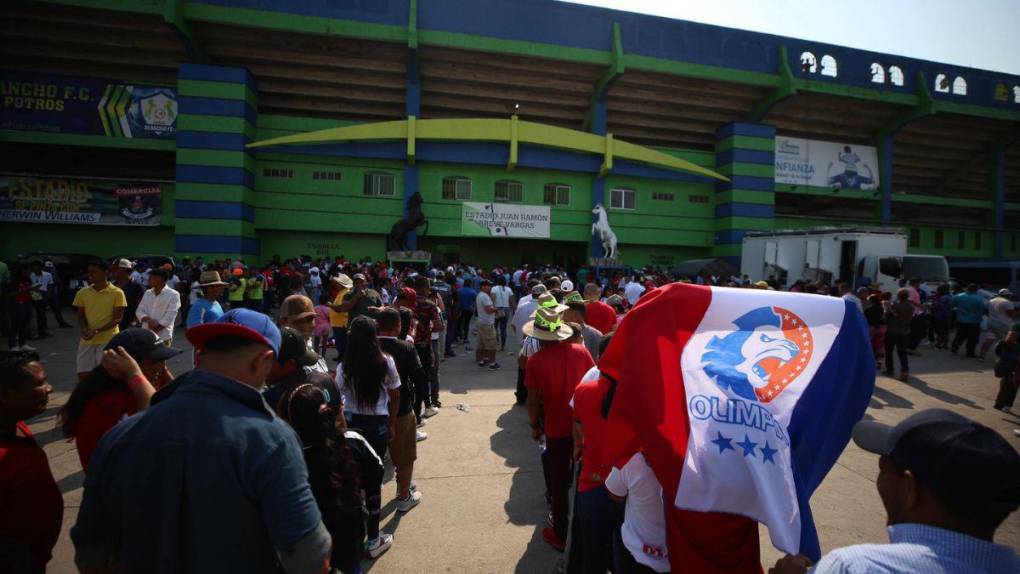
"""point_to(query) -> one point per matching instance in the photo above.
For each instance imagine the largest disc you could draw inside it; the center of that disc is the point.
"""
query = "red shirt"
(31, 506)
(588, 397)
(556, 370)
(601, 316)
(101, 414)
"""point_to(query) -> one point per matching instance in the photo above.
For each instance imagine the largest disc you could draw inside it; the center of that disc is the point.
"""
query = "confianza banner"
(80, 201)
(505, 220)
(63, 104)
(816, 163)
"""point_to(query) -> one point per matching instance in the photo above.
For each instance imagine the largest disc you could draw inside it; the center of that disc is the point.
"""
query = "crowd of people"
(310, 375)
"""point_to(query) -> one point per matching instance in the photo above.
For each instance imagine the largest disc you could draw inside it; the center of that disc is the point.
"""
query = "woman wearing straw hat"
(207, 309)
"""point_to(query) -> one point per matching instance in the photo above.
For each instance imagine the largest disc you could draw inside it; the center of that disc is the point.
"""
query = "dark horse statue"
(397, 240)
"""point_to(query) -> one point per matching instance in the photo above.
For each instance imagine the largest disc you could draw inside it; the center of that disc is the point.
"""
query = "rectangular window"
(457, 188)
(278, 173)
(697, 198)
(660, 196)
(556, 194)
(939, 238)
(622, 198)
(915, 237)
(977, 240)
(509, 191)
(327, 175)
(961, 240)
(380, 184)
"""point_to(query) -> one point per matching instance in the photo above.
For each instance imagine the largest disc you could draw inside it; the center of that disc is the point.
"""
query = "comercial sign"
(62, 104)
(816, 163)
(505, 220)
(79, 201)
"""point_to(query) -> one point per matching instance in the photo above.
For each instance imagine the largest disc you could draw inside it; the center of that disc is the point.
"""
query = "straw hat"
(547, 301)
(344, 281)
(548, 325)
(209, 279)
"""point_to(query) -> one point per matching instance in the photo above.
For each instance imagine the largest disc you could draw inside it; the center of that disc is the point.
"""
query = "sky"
(974, 33)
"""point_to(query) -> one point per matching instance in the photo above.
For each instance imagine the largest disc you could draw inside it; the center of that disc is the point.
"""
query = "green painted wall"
(318, 244)
(102, 241)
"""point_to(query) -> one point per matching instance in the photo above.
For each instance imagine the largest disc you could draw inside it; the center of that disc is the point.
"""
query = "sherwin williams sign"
(79, 201)
(816, 163)
(61, 104)
(505, 220)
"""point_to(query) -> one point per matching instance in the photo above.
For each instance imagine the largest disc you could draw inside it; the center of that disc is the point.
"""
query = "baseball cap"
(409, 295)
(358, 277)
(537, 290)
(125, 264)
(297, 307)
(292, 346)
(567, 285)
(1005, 293)
(238, 323)
(48, 264)
(968, 466)
(142, 344)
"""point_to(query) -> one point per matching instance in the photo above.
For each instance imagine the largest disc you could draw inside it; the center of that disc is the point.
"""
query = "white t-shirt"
(633, 292)
(501, 296)
(998, 312)
(522, 315)
(43, 280)
(481, 302)
(391, 382)
(644, 523)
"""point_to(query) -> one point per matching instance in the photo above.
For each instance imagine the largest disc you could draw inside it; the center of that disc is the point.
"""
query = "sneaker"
(483, 363)
(494, 367)
(420, 424)
(429, 412)
(375, 548)
(1016, 432)
(28, 348)
(437, 404)
(1007, 410)
(510, 353)
(414, 486)
(15, 348)
(412, 500)
(551, 539)
(420, 435)
(904, 376)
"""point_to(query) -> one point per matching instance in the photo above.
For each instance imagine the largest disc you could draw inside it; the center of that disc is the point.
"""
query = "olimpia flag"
(741, 400)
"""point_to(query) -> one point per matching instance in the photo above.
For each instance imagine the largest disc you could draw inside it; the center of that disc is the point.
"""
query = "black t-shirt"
(273, 392)
(133, 292)
(874, 315)
(408, 367)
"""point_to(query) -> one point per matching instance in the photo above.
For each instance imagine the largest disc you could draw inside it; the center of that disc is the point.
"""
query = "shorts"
(487, 338)
(89, 357)
(404, 442)
(996, 331)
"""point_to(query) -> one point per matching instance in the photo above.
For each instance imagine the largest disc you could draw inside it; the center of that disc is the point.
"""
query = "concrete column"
(745, 153)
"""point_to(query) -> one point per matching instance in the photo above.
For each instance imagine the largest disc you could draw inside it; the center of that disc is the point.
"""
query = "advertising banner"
(79, 201)
(62, 104)
(505, 220)
(826, 164)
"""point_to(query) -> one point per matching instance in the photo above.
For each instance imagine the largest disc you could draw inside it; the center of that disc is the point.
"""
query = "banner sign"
(505, 220)
(62, 104)
(825, 164)
(79, 201)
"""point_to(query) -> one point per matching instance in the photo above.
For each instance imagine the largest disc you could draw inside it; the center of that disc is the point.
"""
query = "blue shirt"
(206, 480)
(204, 311)
(466, 298)
(917, 548)
(970, 307)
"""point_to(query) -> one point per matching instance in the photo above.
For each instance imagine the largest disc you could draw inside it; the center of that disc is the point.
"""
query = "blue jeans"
(375, 429)
(596, 520)
(340, 341)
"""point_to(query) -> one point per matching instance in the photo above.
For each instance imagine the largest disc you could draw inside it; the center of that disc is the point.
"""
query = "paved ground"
(481, 479)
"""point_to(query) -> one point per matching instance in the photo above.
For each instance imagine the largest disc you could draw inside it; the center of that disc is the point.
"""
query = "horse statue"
(397, 239)
(602, 230)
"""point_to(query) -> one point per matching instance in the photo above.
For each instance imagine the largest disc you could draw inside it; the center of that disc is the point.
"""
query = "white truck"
(858, 256)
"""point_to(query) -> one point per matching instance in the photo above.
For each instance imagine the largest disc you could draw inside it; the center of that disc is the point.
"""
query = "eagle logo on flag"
(768, 351)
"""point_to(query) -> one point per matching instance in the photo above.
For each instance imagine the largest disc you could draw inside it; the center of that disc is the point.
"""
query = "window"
(1016, 94)
(276, 172)
(697, 198)
(661, 196)
(622, 198)
(1001, 93)
(808, 64)
(877, 73)
(961, 240)
(829, 66)
(915, 237)
(939, 238)
(509, 191)
(896, 75)
(890, 266)
(380, 184)
(977, 240)
(327, 175)
(457, 188)
(556, 194)
(960, 86)
(942, 83)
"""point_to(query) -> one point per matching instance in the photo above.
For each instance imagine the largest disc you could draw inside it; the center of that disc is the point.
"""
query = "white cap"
(567, 286)
(124, 264)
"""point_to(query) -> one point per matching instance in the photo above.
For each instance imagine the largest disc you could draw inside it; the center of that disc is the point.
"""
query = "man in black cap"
(291, 370)
(947, 483)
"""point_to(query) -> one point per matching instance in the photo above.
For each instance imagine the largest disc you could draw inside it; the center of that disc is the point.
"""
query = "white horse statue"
(602, 230)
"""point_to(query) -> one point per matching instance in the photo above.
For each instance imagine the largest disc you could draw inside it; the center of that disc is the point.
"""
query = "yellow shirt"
(338, 319)
(235, 293)
(99, 306)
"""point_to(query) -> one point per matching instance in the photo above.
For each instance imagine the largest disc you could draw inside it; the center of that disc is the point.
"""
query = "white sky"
(981, 34)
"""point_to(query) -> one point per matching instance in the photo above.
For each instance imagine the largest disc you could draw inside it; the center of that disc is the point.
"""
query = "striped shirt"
(920, 548)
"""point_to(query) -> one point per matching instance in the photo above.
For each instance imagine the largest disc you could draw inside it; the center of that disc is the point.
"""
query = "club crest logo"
(770, 348)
